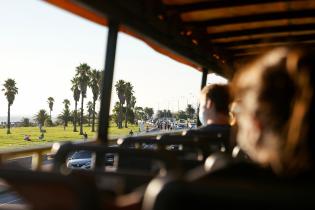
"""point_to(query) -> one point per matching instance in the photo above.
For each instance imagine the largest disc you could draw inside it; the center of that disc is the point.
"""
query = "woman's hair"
(278, 89)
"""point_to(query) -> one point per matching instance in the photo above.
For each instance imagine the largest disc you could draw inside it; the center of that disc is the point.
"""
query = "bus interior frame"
(210, 35)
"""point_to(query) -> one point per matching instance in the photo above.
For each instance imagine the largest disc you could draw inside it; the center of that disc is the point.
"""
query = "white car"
(82, 160)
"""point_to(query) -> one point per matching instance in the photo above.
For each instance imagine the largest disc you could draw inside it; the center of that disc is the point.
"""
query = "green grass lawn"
(53, 134)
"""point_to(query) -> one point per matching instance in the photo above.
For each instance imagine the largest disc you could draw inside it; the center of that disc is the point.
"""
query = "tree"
(90, 110)
(116, 113)
(65, 116)
(190, 111)
(95, 85)
(168, 113)
(164, 114)
(76, 97)
(128, 96)
(66, 102)
(139, 113)
(120, 90)
(181, 115)
(148, 112)
(10, 91)
(41, 117)
(82, 74)
(50, 102)
(25, 122)
(160, 114)
(133, 102)
(131, 116)
(132, 107)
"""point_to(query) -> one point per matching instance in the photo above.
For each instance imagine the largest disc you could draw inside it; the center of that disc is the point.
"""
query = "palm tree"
(41, 117)
(120, 90)
(90, 110)
(76, 97)
(128, 95)
(94, 84)
(133, 102)
(65, 116)
(50, 102)
(10, 91)
(66, 102)
(82, 73)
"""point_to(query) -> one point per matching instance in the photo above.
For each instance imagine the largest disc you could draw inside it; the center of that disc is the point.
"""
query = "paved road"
(6, 195)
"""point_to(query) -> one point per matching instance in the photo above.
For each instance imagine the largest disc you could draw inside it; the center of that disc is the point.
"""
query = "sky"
(41, 45)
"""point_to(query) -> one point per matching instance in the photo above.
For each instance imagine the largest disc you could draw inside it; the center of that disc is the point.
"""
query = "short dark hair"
(219, 94)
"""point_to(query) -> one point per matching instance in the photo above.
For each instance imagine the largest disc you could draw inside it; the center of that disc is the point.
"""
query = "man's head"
(214, 101)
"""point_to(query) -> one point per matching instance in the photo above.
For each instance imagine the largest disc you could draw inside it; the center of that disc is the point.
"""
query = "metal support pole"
(107, 83)
(204, 77)
(203, 83)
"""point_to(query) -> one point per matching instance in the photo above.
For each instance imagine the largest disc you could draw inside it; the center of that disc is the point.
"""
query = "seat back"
(237, 187)
(50, 191)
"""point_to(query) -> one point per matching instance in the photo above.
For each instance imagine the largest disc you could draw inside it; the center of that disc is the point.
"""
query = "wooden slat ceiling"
(247, 28)
(211, 33)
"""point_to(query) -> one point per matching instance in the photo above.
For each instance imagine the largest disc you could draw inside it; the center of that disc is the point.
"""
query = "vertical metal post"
(107, 83)
(203, 83)
(204, 77)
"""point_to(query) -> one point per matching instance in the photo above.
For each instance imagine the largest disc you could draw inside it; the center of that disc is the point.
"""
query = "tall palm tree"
(66, 102)
(82, 73)
(66, 112)
(128, 95)
(76, 97)
(120, 90)
(94, 84)
(10, 91)
(50, 102)
(133, 102)
(90, 110)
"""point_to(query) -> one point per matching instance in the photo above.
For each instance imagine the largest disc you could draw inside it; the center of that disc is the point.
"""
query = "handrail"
(168, 161)
(36, 153)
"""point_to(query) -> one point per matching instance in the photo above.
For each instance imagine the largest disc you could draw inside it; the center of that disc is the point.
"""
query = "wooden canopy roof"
(213, 34)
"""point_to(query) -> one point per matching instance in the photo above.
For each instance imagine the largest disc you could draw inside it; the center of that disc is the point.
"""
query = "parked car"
(192, 125)
(180, 126)
(82, 160)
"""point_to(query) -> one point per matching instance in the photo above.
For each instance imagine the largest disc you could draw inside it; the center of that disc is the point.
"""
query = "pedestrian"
(41, 137)
(85, 136)
(27, 138)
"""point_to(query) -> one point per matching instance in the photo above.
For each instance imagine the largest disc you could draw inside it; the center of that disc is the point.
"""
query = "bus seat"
(50, 191)
(216, 139)
(245, 188)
